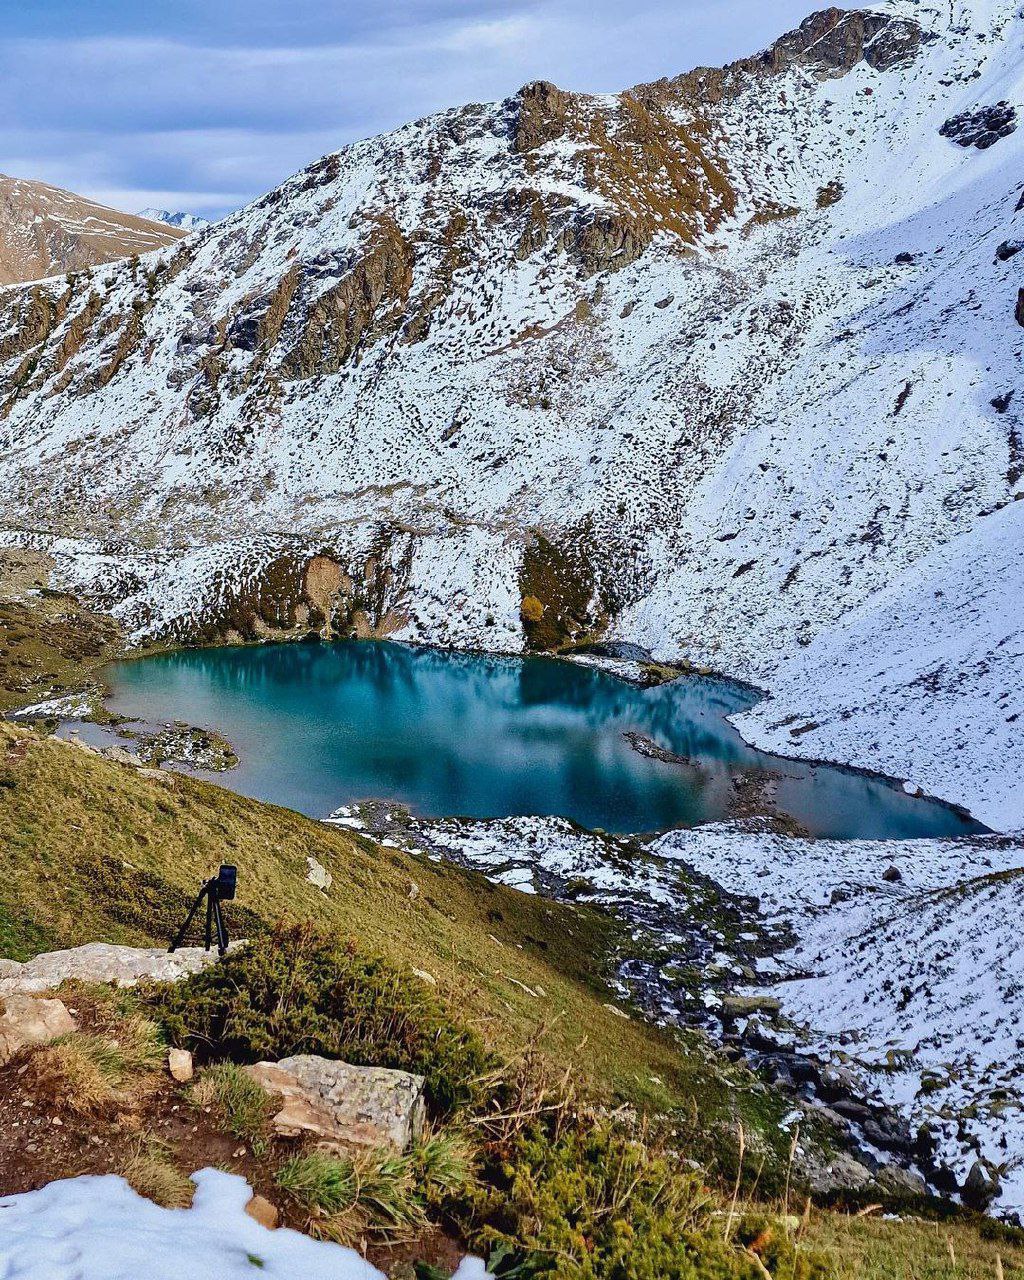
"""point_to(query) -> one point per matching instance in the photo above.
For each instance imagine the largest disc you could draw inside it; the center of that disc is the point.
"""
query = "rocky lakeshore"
(765, 940)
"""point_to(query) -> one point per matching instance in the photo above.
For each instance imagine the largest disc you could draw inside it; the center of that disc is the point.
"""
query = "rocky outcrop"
(331, 328)
(834, 40)
(982, 127)
(541, 114)
(100, 962)
(26, 1021)
(325, 585)
(344, 1108)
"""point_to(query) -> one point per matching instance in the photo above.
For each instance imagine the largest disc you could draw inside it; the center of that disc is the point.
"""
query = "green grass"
(871, 1248)
(243, 1105)
(49, 647)
(377, 1192)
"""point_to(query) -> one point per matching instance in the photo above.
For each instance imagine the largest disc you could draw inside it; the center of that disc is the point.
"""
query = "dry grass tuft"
(80, 1073)
(242, 1103)
(151, 1172)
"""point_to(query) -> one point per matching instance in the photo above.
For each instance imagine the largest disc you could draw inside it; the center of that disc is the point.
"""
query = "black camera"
(227, 881)
(219, 888)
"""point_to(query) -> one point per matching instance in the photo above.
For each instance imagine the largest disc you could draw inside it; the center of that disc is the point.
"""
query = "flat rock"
(742, 1006)
(101, 962)
(346, 1108)
(265, 1213)
(27, 1020)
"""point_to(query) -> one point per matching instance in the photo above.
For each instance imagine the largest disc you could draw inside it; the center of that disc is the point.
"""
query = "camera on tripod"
(219, 888)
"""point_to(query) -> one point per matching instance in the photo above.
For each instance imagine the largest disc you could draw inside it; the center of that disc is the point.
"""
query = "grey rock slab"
(346, 1108)
(101, 962)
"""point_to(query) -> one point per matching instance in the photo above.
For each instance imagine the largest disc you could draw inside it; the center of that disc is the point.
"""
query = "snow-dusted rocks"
(915, 985)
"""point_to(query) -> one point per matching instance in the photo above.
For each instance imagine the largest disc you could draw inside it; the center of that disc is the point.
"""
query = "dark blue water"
(321, 725)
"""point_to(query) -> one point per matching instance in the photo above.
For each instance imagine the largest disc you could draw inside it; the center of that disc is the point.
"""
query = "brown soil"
(41, 1141)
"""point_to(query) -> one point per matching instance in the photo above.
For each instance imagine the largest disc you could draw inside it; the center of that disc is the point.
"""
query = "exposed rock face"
(833, 41)
(26, 1021)
(101, 962)
(981, 128)
(45, 231)
(345, 1108)
(367, 303)
(325, 584)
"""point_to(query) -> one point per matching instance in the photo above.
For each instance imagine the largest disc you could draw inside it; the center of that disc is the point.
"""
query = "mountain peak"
(182, 221)
(46, 231)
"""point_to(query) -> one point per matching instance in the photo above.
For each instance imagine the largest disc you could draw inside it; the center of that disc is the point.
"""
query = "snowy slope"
(897, 964)
(739, 345)
(914, 984)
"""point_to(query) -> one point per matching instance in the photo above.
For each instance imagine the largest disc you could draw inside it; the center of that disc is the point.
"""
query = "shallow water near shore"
(322, 725)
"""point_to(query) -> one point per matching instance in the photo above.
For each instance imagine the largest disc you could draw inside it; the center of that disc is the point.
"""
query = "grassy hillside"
(95, 849)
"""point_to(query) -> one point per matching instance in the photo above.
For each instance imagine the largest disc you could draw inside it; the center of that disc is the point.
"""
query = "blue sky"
(203, 104)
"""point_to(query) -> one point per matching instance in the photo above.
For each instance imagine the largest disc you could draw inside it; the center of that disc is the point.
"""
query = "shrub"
(300, 991)
(570, 1194)
(531, 609)
(81, 1073)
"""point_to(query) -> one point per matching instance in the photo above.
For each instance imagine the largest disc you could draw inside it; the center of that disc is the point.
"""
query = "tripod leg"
(179, 937)
(209, 920)
(222, 933)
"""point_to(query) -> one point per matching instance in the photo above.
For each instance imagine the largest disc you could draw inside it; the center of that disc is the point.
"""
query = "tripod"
(211, 891)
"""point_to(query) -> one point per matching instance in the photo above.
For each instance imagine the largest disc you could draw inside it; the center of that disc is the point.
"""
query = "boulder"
(892, 875)
(981, 1186)
(840, 1172)
(318, 875)
(898, 1181)
(27, 1020)
(346, 1108)
(743, 1006)
(101, 962)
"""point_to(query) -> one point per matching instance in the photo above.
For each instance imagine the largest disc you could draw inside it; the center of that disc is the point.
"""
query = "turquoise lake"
(322, 725)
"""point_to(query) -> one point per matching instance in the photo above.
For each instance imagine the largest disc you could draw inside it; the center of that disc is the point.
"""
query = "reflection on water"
(319, 725)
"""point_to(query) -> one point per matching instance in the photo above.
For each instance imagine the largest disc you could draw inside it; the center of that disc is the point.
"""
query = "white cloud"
(221, 122)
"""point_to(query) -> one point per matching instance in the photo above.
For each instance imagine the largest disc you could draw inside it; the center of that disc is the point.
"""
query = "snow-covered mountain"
(183, 221)
(46, 231)
(727, 364)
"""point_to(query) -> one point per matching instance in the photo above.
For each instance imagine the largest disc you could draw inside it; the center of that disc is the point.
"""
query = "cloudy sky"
(203, 104)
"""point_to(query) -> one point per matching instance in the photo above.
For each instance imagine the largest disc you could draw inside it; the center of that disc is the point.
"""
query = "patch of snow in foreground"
(97, 1228)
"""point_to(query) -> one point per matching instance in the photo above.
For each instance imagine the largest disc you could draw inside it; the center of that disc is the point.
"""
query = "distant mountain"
(46, 231)
(727, 365)
(183, 221)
